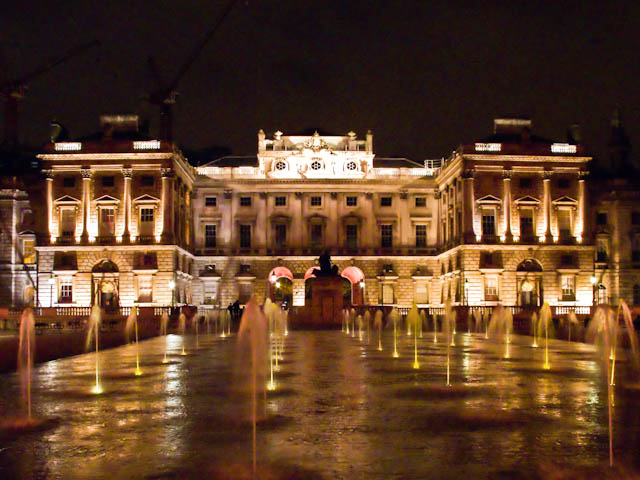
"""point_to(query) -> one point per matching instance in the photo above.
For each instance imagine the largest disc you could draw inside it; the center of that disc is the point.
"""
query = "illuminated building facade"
(505, 219)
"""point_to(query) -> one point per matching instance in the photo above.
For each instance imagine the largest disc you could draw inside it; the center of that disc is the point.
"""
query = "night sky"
(423, 76)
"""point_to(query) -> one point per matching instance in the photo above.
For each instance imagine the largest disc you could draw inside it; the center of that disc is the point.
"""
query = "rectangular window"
(316, 201)
(108, 181)
(566, 260)
(635, 218)
(146, 214)
(488, 222)
(564, 223)
(244, 292)
(210, 232)
(352, 201)
(601, 218)
(602, 249)
(69, 182)
(421, 295)
(245, 201)
(421, 201)
(385, 201)
(386, 236)
(525, 182)
(352, 236)
(281, 235)
(66, 290)
(210, 201)
(281, 201)
(68, 223)
(491, 289)
(568, 288)
(563, 183)
(28, 251)
(526, 222)
(144, 289)
(316, 234)
(387, 293)
(147, 181)
(107, 221)
(245, 236)
(421, 236)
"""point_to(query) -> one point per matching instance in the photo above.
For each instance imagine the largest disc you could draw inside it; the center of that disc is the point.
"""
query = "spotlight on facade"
(273, 278)
(172, 284)
(361, 283)
(593, 279)
(278, 284)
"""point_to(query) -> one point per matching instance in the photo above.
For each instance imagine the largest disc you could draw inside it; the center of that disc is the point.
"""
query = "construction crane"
(12, 91)
(164, 96)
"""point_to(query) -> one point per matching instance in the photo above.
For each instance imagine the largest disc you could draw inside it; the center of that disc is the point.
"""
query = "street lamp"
(172, 286)
(362, 291)
(466, 291)
(593, 279)
(52, 280)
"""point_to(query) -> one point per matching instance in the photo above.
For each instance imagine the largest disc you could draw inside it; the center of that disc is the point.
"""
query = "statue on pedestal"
(326, 269)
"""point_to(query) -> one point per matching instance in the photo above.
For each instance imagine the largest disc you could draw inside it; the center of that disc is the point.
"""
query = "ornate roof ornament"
(315, 143)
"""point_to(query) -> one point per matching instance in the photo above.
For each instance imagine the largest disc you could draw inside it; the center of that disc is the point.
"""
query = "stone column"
(167, 205)
(467, 213)
(546, 183)
(581, 229)
(49, 176)
(86, 187)
(126, 202)
(506, 180)
(437, 195)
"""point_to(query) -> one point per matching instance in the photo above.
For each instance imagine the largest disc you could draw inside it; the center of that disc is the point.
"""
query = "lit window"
(281, 201)
(491, 288)
(564, 223)
(144, 289)
(386, 236)
(352, 201)
(245, 201)
(210, 201)
(488, 222)
(210, 232)
(29, 251)
(568, 288)
(385, 201)
(421, 201)
(421, 236)
(316, 201)
(66, 290)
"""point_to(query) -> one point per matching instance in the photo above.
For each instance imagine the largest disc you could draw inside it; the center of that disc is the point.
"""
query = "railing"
(72, 311)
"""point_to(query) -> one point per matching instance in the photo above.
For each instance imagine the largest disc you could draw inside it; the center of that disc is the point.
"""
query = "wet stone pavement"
(341, 409)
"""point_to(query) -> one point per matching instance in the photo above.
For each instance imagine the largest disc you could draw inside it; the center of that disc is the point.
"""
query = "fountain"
(423, 321)
(501, 327)
(26, 349)
(270, 311)
(477, 320)
(352, 315)
(413, 318)
(347, 320)
(196, 323)
(164, 323)
(377, 323)
(92, 335)
(435, 327)
(359, 320)
(485, 321)
(131, 323)
(252, 339)
(367, 322)
(545, 324)
(570, 320)
(448, 326)
(534, 329)
(182, 325)
(393, 318)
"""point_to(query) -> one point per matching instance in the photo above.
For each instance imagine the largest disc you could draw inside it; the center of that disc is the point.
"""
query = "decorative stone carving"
(227, 194)
(546, 174)
(262, 195)
(369, 195)
(507, 174)
(468, 173)
(298, 194)
(48, 174)
(86, 173)
(127, 172)
(404, 195)
(334, 195)
(167, 172)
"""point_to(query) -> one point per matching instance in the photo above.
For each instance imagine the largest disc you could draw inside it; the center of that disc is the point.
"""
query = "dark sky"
(423, 76)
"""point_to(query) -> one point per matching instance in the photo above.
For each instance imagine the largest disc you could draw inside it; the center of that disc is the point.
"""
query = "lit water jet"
(269, 310)
(485, 320)
(501, 327)
(448, 325)
(26, 349)
(131, 324)
(545, 324)
(393, 317)
(352, 315)
(534, 329)
(92, 335)
(477, 321)
(571, 321)
(435, 327)
(196, 323)
(182, 325)
(377, 323)
(164, 324)
(413, 318)
(359, 320)
(252, 336)
(367, 322)
(423, 321)
(347, 321)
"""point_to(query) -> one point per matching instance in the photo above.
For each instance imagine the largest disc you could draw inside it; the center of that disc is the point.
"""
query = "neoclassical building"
(510, 218)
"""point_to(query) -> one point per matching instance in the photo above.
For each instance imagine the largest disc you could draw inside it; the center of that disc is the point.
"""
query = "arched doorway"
(281, 285)
(356, 284)
(105, 285)
(308, 281)
(529, 283)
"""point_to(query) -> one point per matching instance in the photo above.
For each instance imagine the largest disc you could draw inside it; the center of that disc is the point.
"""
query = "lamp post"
(362, 302)
(52, 280)
(593, 279)
(466, 291)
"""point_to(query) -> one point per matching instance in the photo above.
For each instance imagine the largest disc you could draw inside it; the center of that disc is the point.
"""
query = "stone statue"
(326, 269)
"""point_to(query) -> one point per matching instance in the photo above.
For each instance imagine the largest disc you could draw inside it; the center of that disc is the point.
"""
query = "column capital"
(127, 173)
(167, 173)
(48, 174)
(468, 173)
(546, 174)
(86, 173)
(507, 174)
(582, 175)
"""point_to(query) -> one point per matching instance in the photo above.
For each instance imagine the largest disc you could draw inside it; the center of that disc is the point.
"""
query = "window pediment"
(527, 200)
(146, 199)
(107, 200)
(489, 200)
(67, 200)
(565, 201)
